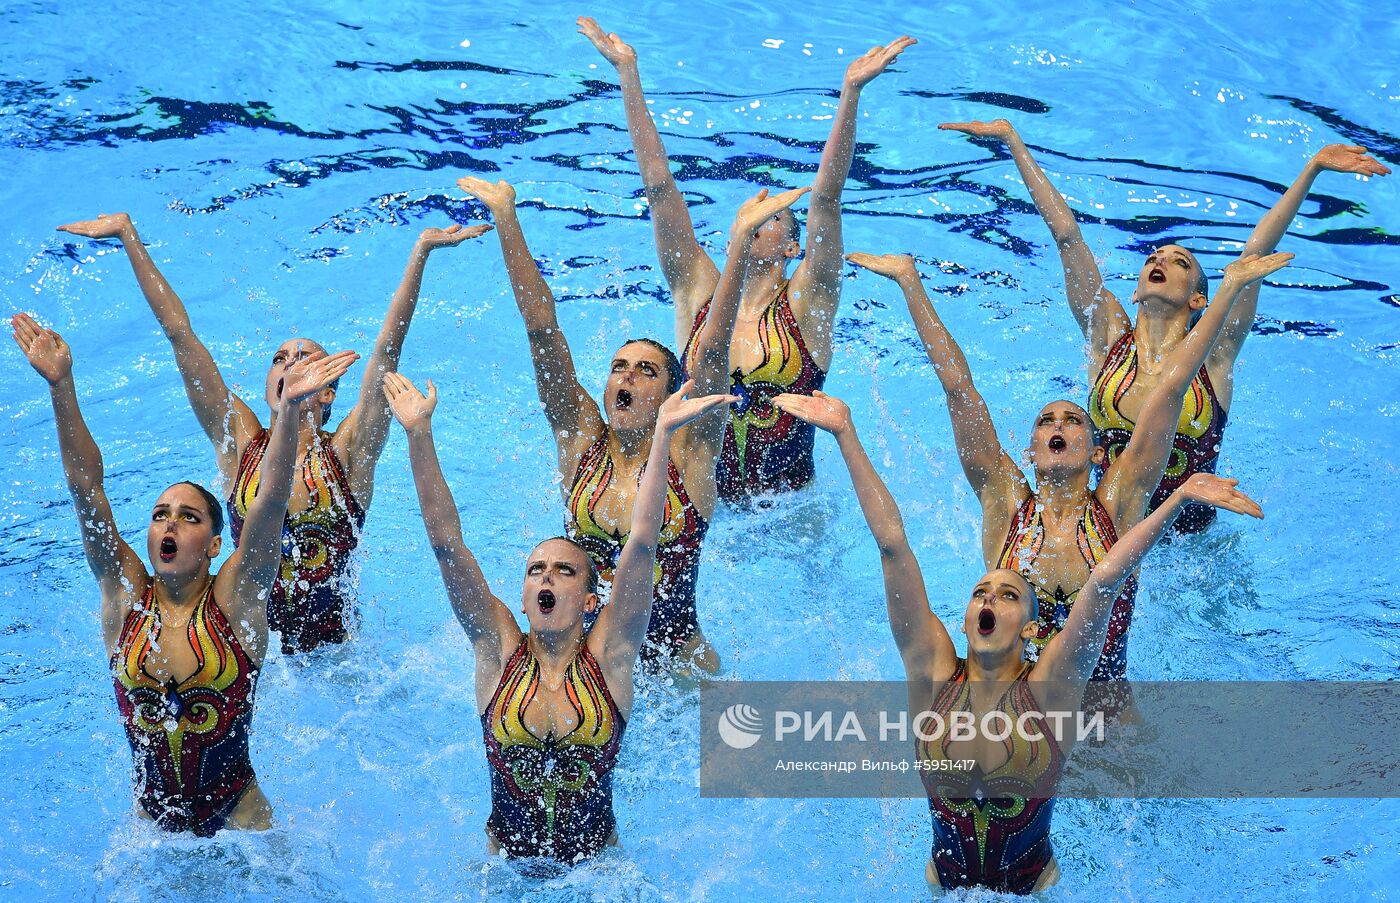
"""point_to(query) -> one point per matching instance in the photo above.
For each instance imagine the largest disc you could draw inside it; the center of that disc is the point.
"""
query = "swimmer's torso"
(308, 601)
(598, 518)
(765, 449)
(189, 737)
(551, 756)
(991, 823)
(1058, 564)
(1115, 402)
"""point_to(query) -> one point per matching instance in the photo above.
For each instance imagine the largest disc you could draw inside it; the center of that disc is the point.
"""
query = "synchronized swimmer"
(730, 417)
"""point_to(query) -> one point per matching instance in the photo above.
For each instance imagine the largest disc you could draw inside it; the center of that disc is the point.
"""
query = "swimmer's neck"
(631, 446)
(1061, 494)
(181, 593)
(762, 280)
(993, 666)
(555, 650)
(1158, 330)
(308, 427)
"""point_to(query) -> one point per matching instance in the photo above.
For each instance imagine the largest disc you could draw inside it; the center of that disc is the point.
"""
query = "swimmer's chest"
(550, 713)
(171, 655)
(1059, 564)
(611, 509)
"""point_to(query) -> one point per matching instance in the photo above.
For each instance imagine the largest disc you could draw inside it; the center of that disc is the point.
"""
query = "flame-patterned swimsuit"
(1196, 447)
(552, 796)
(189, 738)
(673, 616)
(1095, 535)
(992, 829)
(766, 449)
(308, 601)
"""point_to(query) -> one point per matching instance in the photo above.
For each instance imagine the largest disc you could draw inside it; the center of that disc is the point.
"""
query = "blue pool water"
(280, 162)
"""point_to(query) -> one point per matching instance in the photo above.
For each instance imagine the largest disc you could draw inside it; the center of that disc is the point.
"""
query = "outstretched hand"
(677, 410)
(1349, 158)
(1252, 267)
(48, 354)
(865, 67)
(434, 238)
(410, 407)
(107, 225)
(819, 409)
(1220, 492)
(758, 209)
(313, 373)
(891, 266)
(613, 48)
(998, 129)
(497, 196)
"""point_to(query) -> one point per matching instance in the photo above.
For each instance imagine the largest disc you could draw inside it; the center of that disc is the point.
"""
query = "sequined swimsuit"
(1196, 447)
(673, 616)
(552, 796)
(307, 606)
(992, 829)
(1095, 535)
(766, 449)
(189, 739)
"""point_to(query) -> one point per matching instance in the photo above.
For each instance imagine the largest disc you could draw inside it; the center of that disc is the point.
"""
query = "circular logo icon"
(740, 726)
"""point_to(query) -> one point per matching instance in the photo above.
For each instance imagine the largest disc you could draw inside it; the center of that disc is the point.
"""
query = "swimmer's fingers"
(1252, 267)
(891, 266)
(107, 225)
(45, 349)
(687, 410)
(1350, 158)
(452, 236)
(497, 195)
(874, 61)
(996, 129)
(754, 212)
(823, 411)
(1220, 492)
(613, 48)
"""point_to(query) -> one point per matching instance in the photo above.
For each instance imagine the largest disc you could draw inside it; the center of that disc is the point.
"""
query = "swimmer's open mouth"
(1157, 274)
(986, 622)
(624, 399)
(280, 383)
(168, 549)
(546, 601)
(1057, 443)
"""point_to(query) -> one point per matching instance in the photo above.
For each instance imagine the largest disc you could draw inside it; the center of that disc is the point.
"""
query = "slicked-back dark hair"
(675, 373)
(216, 508)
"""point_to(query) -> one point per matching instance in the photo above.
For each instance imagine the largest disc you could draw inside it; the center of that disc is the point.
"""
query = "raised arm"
(991, 472)
(815, 289)
(1131, 479)
(1271, 229)
(361, 436)
(573, 414)
(485, 619)
(689, 271)
(119, 571)
(1099, 314)
(226, 420)
(708, 362)
(923, 641)
(245, 581)
(621, 627)
(1069, 658)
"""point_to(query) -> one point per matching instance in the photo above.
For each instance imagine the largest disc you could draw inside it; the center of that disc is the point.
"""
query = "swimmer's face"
(288, 353)
(1171, 274)
(180, 540)
(1000, 616)
(1062, 440)
(775, 239)
(636, 387)
(556, 594)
